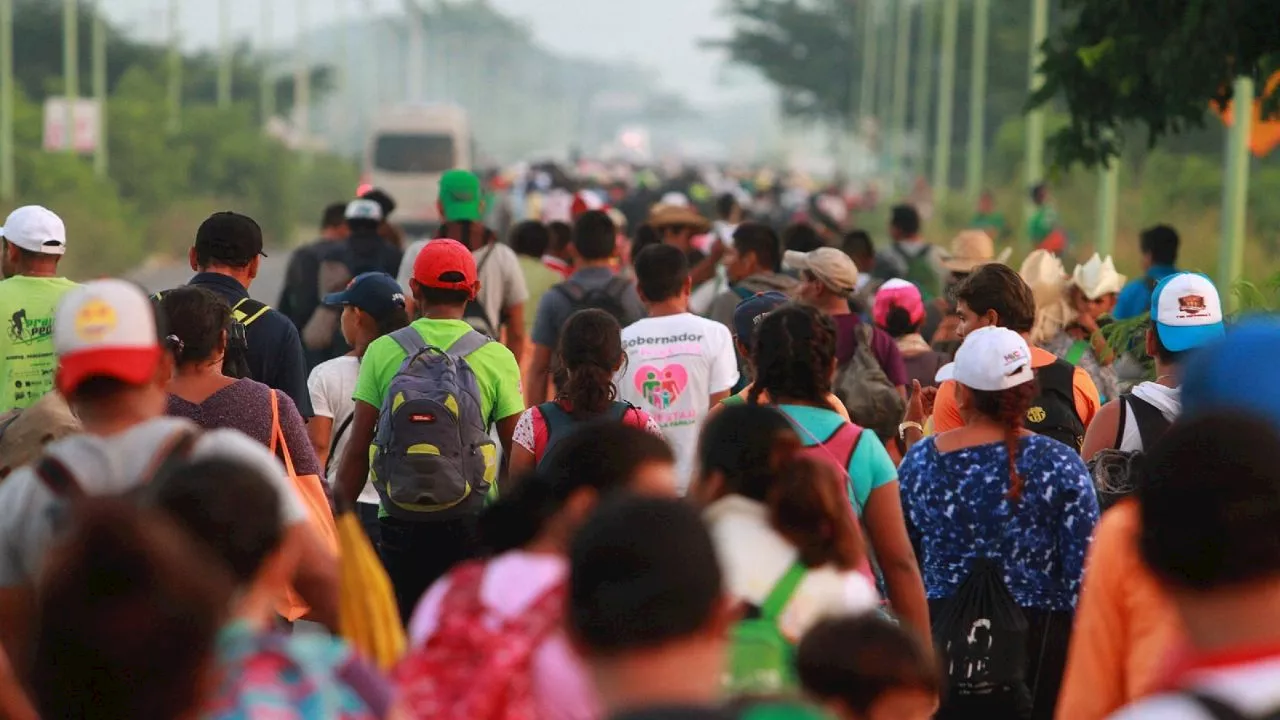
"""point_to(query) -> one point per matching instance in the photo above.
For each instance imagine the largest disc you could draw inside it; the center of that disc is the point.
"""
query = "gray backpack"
(433, 457)
(872, 401)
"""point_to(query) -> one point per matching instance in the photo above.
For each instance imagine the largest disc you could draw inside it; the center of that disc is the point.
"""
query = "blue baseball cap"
(1236, 373)
(752, 310)
(1187, 311)
(376, 293)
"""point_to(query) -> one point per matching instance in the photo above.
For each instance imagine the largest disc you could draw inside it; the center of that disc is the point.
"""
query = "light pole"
(924, 79)
(975, 155)
(946, 104)
(1235, 186)
(901, 68)
(1035, 118)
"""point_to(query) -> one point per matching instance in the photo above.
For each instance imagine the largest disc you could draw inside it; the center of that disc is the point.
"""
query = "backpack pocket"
(428, 466)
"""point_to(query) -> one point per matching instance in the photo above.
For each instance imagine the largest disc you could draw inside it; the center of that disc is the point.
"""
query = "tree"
(1154, 66)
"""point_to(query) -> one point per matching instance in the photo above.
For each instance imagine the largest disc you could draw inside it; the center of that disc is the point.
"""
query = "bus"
(409, 148)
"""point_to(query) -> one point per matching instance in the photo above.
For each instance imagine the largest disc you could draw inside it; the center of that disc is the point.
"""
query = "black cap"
(381, 197)
(230, 238)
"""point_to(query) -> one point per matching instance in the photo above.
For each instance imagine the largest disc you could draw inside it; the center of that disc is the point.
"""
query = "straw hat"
(1097, 277)
(971, 249)
(663, 216)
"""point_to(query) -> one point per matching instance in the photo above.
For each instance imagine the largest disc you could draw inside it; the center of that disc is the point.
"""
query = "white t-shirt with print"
(502, 282)
(332, 383)
(674, 364)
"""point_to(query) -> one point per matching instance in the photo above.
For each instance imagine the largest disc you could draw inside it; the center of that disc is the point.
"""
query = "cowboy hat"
(1097, 277)
(1043, 272)
(971, 249)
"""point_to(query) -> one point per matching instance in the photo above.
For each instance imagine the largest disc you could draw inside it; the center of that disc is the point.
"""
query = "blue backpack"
(561, 424)
(433, 457)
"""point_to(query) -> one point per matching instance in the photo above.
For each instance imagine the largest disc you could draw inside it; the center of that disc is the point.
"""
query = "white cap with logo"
(1187, 311)
(990, 359)
(36, 229)
(105, 328)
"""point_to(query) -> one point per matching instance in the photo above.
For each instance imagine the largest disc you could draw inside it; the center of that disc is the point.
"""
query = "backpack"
(761, 659)
(920, 271)
(433, 457)
(982, 633)
(561, 424)
(325, 322)
(1115, 472)
(607, 298)
(1053, 411)
(872, 401)
(1219, 710)
(473, 668)
(475, 314)
(171, 455)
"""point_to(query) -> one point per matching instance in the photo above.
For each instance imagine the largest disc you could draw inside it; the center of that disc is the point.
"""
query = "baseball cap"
(1236, 372)
(363, 210)
(898, 293)
(751, 311)
(230, 237)
(460, 196)
(1187, 311)
(105, 328)
(376, 293)
(36, 229)
(990, 359)
(831, 266)
(445, 264)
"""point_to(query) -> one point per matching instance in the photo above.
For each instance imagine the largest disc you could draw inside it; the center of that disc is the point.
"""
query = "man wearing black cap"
(225, 257)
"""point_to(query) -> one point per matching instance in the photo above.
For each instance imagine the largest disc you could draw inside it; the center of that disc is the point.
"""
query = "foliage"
(1156, 65)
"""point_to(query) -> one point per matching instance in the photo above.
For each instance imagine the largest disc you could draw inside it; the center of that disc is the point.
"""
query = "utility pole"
(266, 83)
(70, 68)
(7, 190)
(976, 154)
(224, 54)
(175, 70)
(1235, 186)
(901, 68)
(100, 85)
(924, 79)
(946, 105)
(1035, 118)
(1108, 192)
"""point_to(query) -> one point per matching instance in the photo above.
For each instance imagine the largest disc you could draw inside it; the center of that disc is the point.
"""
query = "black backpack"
(1053, 411)
(561, 424)
(1116, 472)
(607, 298)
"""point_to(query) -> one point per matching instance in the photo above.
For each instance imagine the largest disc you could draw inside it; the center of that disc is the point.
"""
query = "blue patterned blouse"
(957, 511)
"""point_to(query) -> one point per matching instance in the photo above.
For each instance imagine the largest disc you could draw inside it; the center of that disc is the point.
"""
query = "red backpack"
(473, 668)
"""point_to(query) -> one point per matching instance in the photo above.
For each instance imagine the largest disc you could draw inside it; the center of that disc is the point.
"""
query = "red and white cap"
(585, 200)
(991, 359)
(105, 328)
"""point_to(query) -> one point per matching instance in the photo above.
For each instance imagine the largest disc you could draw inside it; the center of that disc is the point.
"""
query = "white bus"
(409, 149)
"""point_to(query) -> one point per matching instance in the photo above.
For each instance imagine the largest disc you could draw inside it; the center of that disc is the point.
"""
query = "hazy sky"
(660, 34)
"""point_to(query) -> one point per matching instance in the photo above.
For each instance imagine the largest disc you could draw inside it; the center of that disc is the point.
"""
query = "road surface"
(266, 288)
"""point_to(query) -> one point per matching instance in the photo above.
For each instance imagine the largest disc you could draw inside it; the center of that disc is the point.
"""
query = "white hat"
(833, 267)
(1097, 277)
(36, 229)
(361, 209)
(990, 359)
(1187, 311)
(105, 328)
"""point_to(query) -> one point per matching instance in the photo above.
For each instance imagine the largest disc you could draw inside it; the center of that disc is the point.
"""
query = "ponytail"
(590, 352)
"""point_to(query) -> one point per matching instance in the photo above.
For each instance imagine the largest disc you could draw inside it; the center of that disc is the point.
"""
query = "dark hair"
(661, 272)
(125, 595)
(999, 287)
(857, 244)
(1161, 243)
(1009, 408)
(856, 659)
(436, 297)
(198, 318)
(335, 215)
(531, 239)
(561, 235)
(228, 507)
(590, 352)
(725, 205)
(644, 237)
(897, 322)
(1210, 502)
(1038, 192)
(905, 219)
(394, 320)
(793, 352)
(808, 506)
(747, 445)
(595, 236)
(759, 240)
(801, 237)
(1164, 354)
(642, 572)
(474, 235)
(602, 456)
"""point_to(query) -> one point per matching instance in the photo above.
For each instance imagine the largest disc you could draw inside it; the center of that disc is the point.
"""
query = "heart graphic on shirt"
(661, 387)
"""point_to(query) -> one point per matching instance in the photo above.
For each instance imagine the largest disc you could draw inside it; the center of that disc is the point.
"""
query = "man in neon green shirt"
(34, 240)
(417, 553)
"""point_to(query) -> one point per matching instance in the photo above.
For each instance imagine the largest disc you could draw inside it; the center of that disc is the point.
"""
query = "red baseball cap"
(445, 264)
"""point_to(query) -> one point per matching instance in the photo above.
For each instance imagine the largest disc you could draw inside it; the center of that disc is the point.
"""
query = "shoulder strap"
(337, 437)
(468, 344)
(1076, 352)
(743, 293)
(1152, 423)
(58, 478)
(1058, 377)
(409, 340)
(572, 291)
(1120, 422)
(248, 310)
(782, 592)
(619, 409)
(616, 286)
(172, 455)
(1218, 709)
(493, 246)
(554, 416)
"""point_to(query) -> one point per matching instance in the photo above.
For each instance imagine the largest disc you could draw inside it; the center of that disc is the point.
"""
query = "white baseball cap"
(36, 229)
(831, 266)
(361, 209)
(990, 359)
(1187, 311)
(105, 328)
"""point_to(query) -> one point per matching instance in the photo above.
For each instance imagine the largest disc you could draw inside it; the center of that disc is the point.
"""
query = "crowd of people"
(634, 463)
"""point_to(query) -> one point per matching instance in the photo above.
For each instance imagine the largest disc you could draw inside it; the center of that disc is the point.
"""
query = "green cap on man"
(460, 196)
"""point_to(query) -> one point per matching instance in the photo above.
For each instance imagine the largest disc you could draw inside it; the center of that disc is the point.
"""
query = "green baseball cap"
(460, 196)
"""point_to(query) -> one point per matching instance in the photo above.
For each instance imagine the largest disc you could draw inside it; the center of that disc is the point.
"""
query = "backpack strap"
(1152, 423)
(619, 409)
(572, 291)
(554, 417)
(409, 340)
(743, 293)
(1076, 352)
(1059, 377)
(248, 310)
(467, 344)
(56, 476)
(337, 438)
(172, 455)
(783, 591)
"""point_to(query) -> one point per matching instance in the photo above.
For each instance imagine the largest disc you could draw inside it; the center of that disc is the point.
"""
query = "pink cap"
(898, 293)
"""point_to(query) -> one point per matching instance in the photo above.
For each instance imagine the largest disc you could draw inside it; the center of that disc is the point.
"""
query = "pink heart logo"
(661, 387)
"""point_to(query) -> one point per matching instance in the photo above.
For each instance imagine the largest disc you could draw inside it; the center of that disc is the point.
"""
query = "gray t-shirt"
(555, 307)
(112, 466)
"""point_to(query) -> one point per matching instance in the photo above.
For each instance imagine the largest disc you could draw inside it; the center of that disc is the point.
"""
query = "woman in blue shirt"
(794, 356)
(992, 490)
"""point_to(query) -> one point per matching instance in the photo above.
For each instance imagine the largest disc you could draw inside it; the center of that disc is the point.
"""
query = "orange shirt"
(1126, 630)
(946, 416)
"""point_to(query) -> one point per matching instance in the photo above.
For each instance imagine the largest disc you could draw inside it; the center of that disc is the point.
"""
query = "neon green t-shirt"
(496, 369)
(28, 363)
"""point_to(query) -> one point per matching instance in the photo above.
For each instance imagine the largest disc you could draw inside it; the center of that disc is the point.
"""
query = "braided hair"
(794, 352)
(1009, 408)
(590, 352)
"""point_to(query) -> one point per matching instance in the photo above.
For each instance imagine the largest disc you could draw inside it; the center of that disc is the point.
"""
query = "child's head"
(868, 668)
(590, 353)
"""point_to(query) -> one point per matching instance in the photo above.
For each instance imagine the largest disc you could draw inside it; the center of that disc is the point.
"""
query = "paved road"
(266, 288)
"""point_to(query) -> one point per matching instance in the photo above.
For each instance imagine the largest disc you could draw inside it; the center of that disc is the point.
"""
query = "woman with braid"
(794, 356)
(995, 495)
